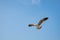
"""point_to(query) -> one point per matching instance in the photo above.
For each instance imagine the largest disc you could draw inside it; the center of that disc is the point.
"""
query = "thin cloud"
(29, 2)
(35, 2)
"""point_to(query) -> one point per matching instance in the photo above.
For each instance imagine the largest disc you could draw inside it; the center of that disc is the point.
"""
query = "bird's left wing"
(42, 20)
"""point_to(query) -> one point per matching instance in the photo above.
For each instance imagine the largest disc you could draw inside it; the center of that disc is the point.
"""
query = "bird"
(39, 23)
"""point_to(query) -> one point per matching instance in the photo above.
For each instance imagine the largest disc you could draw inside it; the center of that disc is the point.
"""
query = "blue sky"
(15, 15)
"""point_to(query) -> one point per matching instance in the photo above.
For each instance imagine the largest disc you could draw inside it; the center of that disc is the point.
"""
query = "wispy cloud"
(35, 2)
(29, 2)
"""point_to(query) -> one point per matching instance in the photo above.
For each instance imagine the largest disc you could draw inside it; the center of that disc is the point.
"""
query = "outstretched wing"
(31, 25)
(42, 20)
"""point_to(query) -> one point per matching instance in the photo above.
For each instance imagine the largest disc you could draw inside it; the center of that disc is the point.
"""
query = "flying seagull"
(39, 23)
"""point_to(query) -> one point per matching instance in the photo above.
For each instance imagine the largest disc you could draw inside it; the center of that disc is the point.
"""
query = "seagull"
(39, 23)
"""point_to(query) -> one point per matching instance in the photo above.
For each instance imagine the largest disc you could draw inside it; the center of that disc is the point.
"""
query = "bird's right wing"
(42, 20)
(31, 25)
